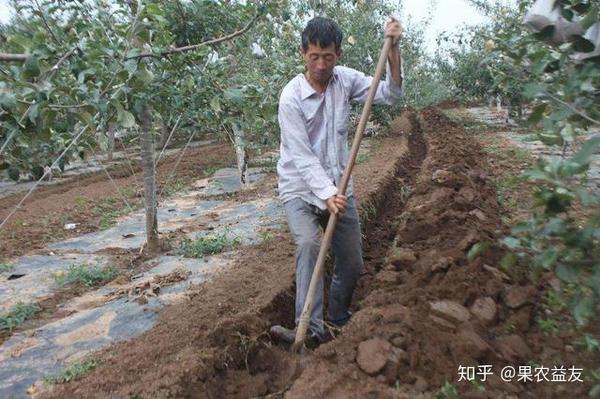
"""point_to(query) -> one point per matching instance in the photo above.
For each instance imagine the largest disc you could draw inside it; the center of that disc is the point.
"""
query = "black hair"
(322, 32)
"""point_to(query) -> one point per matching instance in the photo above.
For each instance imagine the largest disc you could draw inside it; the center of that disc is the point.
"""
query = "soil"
(424, 215)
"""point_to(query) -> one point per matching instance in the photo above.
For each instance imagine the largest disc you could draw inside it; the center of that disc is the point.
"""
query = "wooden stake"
(326, 242)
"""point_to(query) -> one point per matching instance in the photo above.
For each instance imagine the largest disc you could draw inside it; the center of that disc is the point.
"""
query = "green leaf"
(13, 173)
(567, 133)
(511, 242)
(508, 260)
(31, 68)
(7, 99)
(567, 273)
(154, 9)
(478, 249)
(582, 44)
(126, 119)
(235, 95)
(144, 75)
(532, 90)
(537, 114)
(595, 391)
(547, 259)
(131, 66)
(584, 310)
(587, 150)
(37, 172)
(215, 105)
(590, 18)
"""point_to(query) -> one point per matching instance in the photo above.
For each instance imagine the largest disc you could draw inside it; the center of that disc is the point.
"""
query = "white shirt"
(314, 132)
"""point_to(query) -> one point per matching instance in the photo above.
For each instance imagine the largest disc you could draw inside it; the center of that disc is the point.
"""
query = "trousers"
(306, 223)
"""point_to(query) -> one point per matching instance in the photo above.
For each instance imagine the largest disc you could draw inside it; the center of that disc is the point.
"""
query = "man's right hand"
(337, 204)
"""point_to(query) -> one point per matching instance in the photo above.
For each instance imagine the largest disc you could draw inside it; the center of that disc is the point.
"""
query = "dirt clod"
(373, 355)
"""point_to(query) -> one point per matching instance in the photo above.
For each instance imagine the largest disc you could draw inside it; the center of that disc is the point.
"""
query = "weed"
(362, 157)
(548, 326)
(269, 164)
(509, 328)
(478, 385)
(17, 315)
(206, 245)
(108, 218)
(595, 391)
(6, 267)
(174, 187)
(589, 343)
(85, 274)
(81, 202)
(71, 373)
(447, 391)
(210, 170)
(405, 192)
(506, 186)
(368, 212)
(265, 236)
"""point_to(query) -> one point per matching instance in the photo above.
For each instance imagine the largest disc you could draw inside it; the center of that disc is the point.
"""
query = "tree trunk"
(241, 154)
(239, 141)
(111, 143)
(147, 150)
(164, 133)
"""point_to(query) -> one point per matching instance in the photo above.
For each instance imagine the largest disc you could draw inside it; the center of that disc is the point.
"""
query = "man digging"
(313, 117)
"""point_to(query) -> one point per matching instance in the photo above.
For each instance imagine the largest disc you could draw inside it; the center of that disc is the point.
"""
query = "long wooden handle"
(326, 242)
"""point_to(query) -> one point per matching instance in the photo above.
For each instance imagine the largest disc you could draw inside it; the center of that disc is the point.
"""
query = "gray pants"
(305, 222)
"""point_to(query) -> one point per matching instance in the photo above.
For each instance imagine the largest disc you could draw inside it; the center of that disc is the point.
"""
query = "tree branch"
(7, 57)
(195, 46)
(62, 59)
(571, 107)
(46, 23)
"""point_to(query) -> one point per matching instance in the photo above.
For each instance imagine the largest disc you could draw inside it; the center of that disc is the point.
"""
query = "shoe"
(288, 336)
(282, 334)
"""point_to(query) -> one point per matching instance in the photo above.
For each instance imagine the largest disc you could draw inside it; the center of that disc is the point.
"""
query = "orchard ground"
(436, 191)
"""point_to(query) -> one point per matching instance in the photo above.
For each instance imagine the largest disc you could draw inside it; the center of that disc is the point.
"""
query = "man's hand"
(393, 29)
(337, 204)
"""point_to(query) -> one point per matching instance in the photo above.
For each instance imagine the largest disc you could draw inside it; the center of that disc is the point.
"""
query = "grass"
(111, 208)
(72, 373)
(85, 274)
(505, 187)
(265, 236)
(447, 391)
(6, 267)
(17, 315)
(210, 170)
(206, 245)
(548, 326)
(175, 186)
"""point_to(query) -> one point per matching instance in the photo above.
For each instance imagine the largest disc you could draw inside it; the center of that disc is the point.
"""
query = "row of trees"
(558, 76)
(72, 73)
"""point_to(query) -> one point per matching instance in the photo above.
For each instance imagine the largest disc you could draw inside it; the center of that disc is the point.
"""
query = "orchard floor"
(423, 308)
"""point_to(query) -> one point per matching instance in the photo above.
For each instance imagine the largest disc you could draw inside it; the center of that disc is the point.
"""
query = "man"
(313, 117)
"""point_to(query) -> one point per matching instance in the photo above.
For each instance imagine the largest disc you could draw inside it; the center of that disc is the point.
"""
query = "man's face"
(320, 61)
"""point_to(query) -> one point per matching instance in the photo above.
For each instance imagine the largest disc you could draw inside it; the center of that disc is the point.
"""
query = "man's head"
(321, 47)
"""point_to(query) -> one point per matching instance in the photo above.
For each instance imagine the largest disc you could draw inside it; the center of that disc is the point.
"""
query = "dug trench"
(432, 298)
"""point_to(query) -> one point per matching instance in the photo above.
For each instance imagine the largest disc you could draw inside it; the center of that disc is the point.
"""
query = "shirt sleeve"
(294, 137)
(388, 90)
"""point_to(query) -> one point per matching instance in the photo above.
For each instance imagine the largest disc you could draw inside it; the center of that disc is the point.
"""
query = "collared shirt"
(314, 132)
